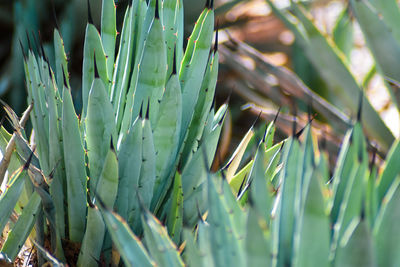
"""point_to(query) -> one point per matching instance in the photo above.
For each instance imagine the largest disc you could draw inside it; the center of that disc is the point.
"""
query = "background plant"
(138, 107)
(319, 58)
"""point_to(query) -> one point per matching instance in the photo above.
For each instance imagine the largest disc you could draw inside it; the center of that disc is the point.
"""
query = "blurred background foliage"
(255, 44)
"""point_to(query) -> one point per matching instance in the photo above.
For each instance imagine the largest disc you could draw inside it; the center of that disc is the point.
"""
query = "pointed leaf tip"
(42, 49)
(223, 117)
(112, 145)
(100, 201)
(28, 40)
(142, 207)
(277, 115)
(53, 9)
(148, 108)
(281, 148)
(241, 187)
(256, 120)
(213, 103)
(309, 109)
(222, 171)
(362, 214)
(89, 200)
(49, 69)
(28, 161)
(141, 111)
(157, 12)
(65, 78)
(199, 212)
(216, 38)
(360, 103)
(96, 72)
(37, 43)
(205, 158)
(179, 168)
(299, 133)
(51, 175)
(90, 19)
(174, 62)
(228, 99)
(22, 49)
(209, 4)
(373, 158)
(294, 127)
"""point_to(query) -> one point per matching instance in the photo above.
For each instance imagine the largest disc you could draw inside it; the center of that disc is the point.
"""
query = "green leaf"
(74, 157)
(100, 130)
(327, 59)
(175, 215)
(375, 30)
(343, 32)
(107, 187)
(260, 192)
(203, 105)
(56, 160)
(166, 134)
(390, 13)
(385, 231)
(288, 199)
(225, 247)
(128, 245)
(10, 196)
(145, 187)
(93, 47)
(61, 61)
(343, 169)
(170, 10)
(39, 113)
(233, 163)
(123, 65)
(152, 73)
(108, 32)
(391, 169)
(160, 246)
(89, 253)
(191, 254)
(356, 247)
(355, 186)
(258, 247)
(129, 164)
(192, 71)
(313, 223)
(21, 230)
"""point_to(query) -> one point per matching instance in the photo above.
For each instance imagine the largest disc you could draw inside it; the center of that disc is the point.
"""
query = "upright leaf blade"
(74, 157)
(100, 130)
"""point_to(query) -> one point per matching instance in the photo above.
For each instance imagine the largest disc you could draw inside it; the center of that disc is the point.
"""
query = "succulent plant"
(145, 115)
(323, 74)
(287, 211)
(128, 181)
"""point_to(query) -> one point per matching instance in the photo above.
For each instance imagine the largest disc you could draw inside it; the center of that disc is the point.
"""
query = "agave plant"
(147, 117)
(130, 176)
(283, 209)
(322, 75)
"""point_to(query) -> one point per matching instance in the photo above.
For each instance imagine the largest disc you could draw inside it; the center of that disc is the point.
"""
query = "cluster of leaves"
(287, 210)
(147, 114)
(146, 137)
(322, 76)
